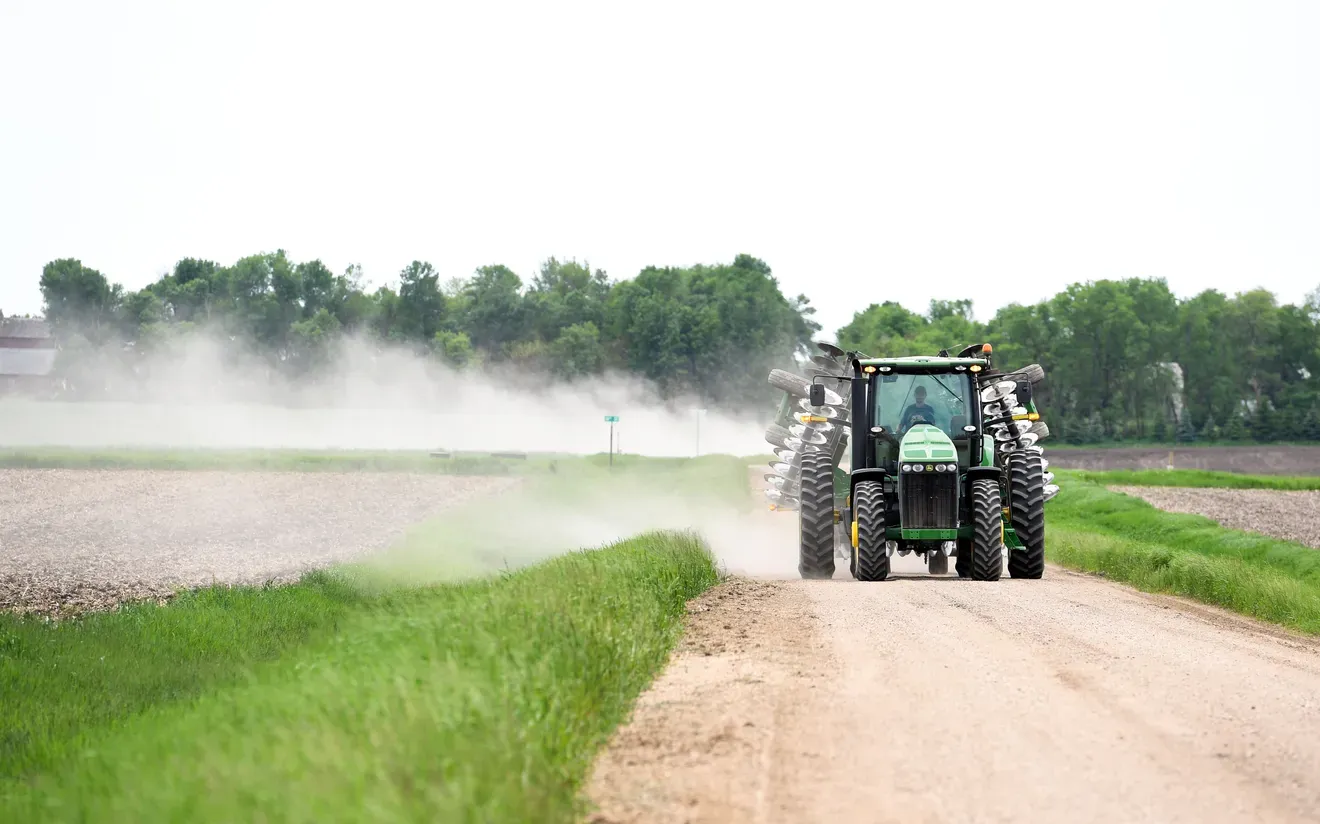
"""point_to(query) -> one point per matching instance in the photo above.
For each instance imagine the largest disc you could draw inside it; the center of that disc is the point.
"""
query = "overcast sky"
(866, 151)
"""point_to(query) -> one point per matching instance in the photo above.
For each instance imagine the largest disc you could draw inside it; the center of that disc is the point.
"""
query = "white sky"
(868, 151)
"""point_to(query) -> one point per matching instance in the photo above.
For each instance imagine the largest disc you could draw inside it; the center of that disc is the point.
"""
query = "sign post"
(611, 420)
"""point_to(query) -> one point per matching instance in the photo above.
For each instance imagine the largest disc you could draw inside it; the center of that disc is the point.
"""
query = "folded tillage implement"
(934, 455)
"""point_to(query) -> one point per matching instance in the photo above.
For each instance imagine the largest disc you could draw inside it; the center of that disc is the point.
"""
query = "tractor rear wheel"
(816, 517)
(795, 385)
(870, 562)
(987, 555)
(937, 563)
(1026, 501)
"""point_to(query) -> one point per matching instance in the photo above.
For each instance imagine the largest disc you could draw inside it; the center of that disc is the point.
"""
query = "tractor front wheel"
(816, 517)
(870, 562)
(987, 554)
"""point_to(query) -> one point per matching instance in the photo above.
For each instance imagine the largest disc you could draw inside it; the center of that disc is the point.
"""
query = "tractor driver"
(918, 412)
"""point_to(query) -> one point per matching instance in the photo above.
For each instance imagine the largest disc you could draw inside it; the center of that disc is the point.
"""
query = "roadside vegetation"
(481, 701)
(1197, 478)
(469, 673)
(1092, 529)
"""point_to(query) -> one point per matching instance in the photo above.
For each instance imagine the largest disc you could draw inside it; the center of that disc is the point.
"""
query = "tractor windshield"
(903, 401)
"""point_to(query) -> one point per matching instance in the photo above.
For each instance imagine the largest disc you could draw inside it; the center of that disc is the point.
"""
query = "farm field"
(1291, 516)
(1264, 460)
(83, 539)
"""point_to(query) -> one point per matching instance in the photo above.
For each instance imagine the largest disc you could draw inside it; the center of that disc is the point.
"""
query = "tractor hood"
(923, 443)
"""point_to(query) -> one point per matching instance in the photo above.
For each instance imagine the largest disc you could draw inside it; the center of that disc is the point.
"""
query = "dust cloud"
(525, 527)
(202, 393)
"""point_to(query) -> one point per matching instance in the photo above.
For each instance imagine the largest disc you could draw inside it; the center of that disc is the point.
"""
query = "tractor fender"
(976, 473)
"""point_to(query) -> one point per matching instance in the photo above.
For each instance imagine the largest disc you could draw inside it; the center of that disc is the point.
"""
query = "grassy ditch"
(1200, 478)
(65, 683)
(479, 701)
(1094, 530)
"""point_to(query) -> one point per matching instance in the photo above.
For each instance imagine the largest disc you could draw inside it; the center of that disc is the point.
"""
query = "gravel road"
(934, 699)
(1292, 516)
(73, 540)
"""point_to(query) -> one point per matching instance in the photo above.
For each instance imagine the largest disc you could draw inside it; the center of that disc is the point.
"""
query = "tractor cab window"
(904, 401)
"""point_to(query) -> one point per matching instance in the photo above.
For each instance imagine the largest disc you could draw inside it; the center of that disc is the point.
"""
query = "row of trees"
(708, 330)
(1127, 360)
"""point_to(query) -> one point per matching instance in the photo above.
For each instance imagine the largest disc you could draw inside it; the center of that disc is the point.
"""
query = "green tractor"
(941, 461)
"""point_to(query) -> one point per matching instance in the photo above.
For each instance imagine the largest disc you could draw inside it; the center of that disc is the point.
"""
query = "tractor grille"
(930, 500)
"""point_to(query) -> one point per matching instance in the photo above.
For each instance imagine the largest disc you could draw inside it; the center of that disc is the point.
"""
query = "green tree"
(80, 300)
(577, 352)
(421, 305)
(564, 295)
(493, 315)
(311, 340)
(454, 348)
(1235, 427)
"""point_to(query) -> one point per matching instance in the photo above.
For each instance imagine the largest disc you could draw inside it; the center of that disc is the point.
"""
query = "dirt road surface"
(927, 699)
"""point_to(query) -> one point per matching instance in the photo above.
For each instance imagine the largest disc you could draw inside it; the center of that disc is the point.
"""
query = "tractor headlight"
(907, 467)
(941, 468)
(916, 467)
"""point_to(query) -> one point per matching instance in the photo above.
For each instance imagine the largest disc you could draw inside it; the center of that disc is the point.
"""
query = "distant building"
(27, 355)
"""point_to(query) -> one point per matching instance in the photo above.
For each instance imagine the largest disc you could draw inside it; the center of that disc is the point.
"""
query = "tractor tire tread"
(816, 517)
(1032, 373)
(870, 562)
(1026, 500)
(795, 385)
(987, 531)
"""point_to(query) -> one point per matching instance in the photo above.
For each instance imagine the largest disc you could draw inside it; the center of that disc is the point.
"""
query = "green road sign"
(611, 419)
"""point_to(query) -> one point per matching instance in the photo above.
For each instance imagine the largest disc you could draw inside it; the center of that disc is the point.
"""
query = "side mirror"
(817, 394)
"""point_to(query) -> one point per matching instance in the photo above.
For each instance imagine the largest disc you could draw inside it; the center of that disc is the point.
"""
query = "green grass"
(1094, 530)
(64, 683)
(255, 459)
(1191, 478)
(481, 701)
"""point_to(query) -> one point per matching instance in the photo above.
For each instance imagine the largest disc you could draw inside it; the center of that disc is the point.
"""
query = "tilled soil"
(1259, 460)
(76, 540)
(1292, 516)
(927, 699)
